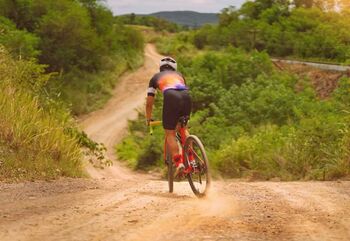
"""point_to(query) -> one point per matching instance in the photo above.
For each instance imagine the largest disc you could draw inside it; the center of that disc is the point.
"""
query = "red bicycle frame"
(181, 136)
(181, 131)
(196, 164)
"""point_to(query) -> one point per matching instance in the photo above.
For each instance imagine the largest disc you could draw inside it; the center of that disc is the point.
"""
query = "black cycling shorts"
(176, 103)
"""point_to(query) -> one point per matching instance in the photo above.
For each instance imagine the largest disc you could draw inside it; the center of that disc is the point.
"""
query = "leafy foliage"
(282, 30)
(159, 24)
(19, 43)
(80, 40)
(255, 122)
(66, 57)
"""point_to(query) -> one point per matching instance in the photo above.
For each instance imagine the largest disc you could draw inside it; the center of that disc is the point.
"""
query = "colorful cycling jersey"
(166, 80)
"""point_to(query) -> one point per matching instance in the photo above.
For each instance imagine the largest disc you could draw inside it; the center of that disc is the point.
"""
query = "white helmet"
(169, 62)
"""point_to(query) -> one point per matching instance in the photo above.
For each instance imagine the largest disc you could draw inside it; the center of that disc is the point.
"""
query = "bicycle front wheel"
(199, 177)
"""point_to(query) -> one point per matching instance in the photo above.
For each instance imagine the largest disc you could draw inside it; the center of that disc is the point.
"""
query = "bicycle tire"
(195, 144)
(170, 170)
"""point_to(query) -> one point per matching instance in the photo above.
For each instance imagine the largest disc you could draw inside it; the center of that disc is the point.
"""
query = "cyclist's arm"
(149, 107)
(150, 97)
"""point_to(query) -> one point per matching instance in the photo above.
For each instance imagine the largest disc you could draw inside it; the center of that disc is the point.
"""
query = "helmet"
(168, 62)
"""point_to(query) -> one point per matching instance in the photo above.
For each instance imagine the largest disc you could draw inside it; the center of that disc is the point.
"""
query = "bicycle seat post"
(183, 120)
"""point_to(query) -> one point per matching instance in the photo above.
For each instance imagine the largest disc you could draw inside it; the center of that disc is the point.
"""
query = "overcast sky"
(151, 6)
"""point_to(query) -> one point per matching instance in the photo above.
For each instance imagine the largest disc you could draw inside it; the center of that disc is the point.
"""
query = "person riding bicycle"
(176, 103)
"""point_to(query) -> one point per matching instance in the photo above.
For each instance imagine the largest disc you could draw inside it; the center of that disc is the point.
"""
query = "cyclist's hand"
(148, 121)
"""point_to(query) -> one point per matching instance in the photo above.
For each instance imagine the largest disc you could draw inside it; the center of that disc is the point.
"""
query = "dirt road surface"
(117, 204)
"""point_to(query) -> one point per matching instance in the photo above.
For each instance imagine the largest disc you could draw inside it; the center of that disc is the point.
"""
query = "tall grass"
(33, 143)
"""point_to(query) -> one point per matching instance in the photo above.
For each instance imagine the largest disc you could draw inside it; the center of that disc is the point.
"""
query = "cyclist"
(176, 103)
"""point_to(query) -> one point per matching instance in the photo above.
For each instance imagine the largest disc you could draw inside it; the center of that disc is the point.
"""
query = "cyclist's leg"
(172, 143)
(186, 107)
(186, 112)
(171, 111)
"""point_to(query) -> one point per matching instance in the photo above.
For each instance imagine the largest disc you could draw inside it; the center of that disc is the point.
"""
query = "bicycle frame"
(181, 136)
(195, 164)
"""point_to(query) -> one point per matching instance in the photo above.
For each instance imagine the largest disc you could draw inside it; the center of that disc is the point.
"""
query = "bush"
(315, 149)
(258, 153)
(20, 43)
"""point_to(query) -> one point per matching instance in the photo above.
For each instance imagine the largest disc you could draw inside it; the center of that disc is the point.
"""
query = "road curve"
(109, 124)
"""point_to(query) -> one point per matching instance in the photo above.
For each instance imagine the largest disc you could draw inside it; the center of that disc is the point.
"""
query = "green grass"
(126, 151)
(33, 141)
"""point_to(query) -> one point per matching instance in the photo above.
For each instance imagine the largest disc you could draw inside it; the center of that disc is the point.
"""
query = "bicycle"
(195, 160)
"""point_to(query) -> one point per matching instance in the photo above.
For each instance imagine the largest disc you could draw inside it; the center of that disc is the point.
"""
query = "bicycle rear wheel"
(199, 178)
(170, 170)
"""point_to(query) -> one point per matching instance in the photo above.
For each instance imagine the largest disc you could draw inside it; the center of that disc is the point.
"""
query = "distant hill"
(188, 18)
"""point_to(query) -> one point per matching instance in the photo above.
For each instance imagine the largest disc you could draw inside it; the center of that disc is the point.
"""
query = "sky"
(150, 6)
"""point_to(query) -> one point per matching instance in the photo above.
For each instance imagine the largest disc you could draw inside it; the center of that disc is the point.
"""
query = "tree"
(20, 43)
(67, 39)
(228, 15)
(253, 9)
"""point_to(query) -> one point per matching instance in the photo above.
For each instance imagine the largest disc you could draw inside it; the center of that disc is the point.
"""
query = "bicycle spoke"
(196, 155)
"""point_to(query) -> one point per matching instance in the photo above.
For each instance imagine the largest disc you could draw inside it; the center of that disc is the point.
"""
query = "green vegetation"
(80, 40)
(33, 141)
(256, 121)
(88, 90)
(158, 24)
(57, 58)
(282, 30)
(63, 57)
(19, 43)
(173, 21)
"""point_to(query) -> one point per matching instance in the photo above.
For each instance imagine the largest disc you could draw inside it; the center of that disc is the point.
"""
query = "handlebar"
(154, 123)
